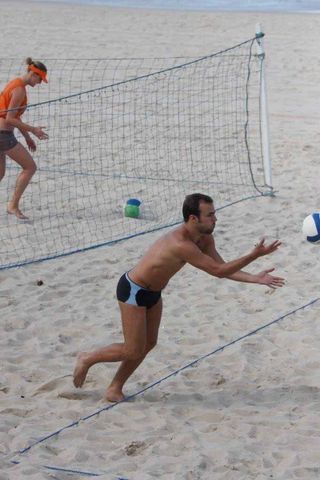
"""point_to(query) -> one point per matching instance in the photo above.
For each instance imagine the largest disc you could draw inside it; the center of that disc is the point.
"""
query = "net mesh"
(151, 129)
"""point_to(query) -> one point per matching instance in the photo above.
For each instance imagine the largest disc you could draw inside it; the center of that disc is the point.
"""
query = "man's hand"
(261, 249)
(271, 281)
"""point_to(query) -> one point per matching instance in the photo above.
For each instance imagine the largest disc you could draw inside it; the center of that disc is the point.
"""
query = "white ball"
(311, 228)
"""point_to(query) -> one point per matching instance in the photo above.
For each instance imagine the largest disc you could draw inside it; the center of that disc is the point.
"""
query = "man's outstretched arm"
(262, 278)
(191, 253)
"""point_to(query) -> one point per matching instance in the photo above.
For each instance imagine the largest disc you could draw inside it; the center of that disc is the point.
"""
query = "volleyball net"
(151, 129)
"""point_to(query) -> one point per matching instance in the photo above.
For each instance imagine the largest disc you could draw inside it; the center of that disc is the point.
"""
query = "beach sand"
(250, 411)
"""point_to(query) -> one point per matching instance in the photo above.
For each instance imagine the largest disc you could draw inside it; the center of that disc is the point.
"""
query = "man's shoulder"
(176, 239)
(205, 242)
(179, 235)
(208, 238)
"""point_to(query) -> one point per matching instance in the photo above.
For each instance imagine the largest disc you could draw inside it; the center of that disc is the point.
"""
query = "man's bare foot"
(114, 394)
(17, 212)
(80, 370)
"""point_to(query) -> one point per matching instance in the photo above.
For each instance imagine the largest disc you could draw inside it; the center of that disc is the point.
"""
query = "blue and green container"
(132, 208)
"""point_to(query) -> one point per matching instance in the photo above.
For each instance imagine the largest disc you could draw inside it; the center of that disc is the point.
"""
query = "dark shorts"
(133, 294)
(7, 140)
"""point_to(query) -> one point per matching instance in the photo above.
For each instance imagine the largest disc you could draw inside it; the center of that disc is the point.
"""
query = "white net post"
(265, 137)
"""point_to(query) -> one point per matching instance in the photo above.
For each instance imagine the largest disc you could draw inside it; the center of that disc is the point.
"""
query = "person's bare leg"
(114, 391)
(134, 330)
(85, 360)
(2, 165)
(20, 155)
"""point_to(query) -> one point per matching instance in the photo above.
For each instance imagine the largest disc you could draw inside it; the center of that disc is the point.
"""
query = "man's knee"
(150, 345)
(134, 353)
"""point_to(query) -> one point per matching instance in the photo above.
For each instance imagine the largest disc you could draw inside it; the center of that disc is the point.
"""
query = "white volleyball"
(311, 228)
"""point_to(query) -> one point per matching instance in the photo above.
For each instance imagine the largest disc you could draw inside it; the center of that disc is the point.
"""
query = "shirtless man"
(139, 290)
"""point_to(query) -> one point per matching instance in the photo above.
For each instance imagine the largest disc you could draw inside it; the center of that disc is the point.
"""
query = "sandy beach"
(249, 411)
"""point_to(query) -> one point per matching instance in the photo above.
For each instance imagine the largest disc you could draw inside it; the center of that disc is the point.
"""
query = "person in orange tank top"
(13, 102)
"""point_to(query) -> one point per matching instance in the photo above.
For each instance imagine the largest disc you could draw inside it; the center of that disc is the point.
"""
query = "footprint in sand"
(4, 388)
(81, 395)
(19, 412)
(135, 448)
(52, 385)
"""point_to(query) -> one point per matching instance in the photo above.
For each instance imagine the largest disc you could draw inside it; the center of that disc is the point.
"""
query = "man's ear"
(193, 218)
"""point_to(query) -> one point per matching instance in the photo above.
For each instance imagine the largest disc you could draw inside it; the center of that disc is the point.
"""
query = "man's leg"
(127, 367)
(134, 332)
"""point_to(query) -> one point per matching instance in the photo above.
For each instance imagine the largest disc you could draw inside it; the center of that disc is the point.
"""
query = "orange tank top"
(6, 94)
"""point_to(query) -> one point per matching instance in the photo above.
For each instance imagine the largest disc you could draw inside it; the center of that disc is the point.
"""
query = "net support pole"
(265, 137)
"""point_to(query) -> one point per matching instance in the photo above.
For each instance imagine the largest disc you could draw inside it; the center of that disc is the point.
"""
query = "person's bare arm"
(189, 252)
(30, 142)
(262, 278)
(15, 103)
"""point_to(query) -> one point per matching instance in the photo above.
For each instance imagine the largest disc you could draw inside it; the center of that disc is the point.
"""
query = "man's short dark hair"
(191, 204)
